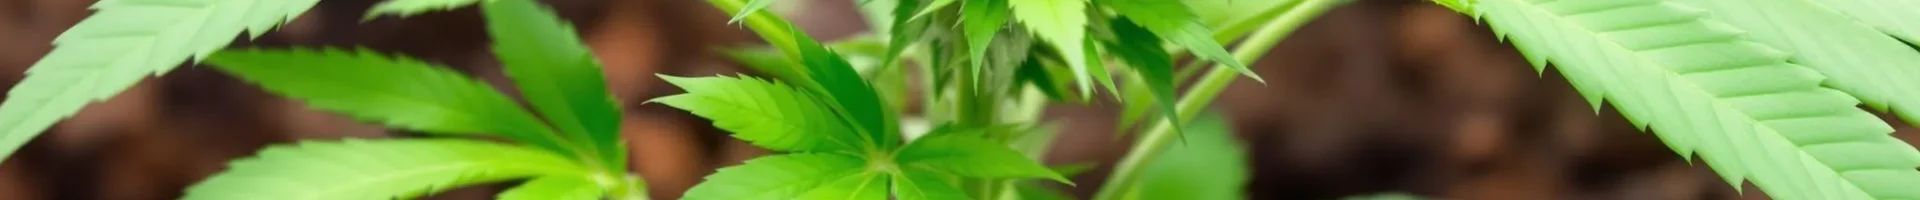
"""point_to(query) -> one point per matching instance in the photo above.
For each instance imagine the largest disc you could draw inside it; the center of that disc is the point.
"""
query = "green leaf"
(1098, 68)
(122, 42)
(1706, 89)
(398, 92)
(905, 31)
(558, 75)
(555, 188)
(1210, 165)
(1061, 23)
(752, 7)
(376, 169)
(853, 97)
(771, 115)
(1895, 17)
(862, 186)
(935, 6)
(1141, 50)
(766, 60)
(917, 184)
(1881, 71)
(1029, 191)
(980, 20)
(1172, 20)
(405, 8)
(971, 156)
(775, 177)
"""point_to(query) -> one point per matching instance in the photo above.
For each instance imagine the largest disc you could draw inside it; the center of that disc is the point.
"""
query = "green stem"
(1127, 173)
(769, 27)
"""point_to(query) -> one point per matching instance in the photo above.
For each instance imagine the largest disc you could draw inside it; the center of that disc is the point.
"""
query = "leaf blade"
(557, 74)
(1062, 23)
(774, 177)
(972, 156)
(555, 188)
(918, 184)
(862, 186)
(398, 92)
(405, 8)
(1175, 22)
(376, 169)
(769, 114)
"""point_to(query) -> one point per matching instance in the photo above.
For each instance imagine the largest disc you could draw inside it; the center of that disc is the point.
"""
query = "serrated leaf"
(1098, 68)
(1209, 165)
(918, 184)
(775, 177)
(1141, 50)
(1895, 17)
(970, 156)
(1062, 23)
(557, 75)
(405, 8)
(861, 186)
(751, 7)
(376, 169)
(1881, 71)
(1704, 88)
(122, 42)
(980, 20)
(771, 115)
(555, 188)
(1171, 20)
(399, 92)
(852, 96)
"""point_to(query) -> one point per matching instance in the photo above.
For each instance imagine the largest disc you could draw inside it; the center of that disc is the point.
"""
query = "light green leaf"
(1209, 165)
(935, 6)
(1172, 20)
(971, 156)
(1881, 71)
(1098, 68)
(557, 74)
(771, 115)
(918, 184)
(1706, 89)
(398, 92)
(122, 42)
(1061, 23)
(376, 169)
(853, 97)
(555, 188)
(752, 7)
(862, 186)
(405, 8)
(980, 20)
(775, 177)
(1895, 17)
(1141, 50)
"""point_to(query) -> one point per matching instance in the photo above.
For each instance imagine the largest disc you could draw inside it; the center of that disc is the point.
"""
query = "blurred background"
(1377, 96)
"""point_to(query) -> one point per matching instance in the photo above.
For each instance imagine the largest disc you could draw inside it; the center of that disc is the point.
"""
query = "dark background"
(1376, 96)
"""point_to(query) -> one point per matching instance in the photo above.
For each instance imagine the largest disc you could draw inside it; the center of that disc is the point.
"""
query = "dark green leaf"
(398, 92)
(558, 75)
(1141, 50)
(1172, 20)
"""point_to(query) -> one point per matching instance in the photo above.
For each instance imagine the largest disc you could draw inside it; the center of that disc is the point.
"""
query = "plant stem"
(1127, 173)
(769, 27)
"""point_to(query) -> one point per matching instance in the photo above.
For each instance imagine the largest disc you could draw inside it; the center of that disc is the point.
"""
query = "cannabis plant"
(1743, 84)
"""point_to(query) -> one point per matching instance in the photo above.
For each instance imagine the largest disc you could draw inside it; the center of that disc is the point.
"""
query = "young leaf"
(1879, 70)
(1141, 50)
(376, 169)
(771, 115)
(970, 156)
(555, 188)
(121, 43)
(1737, 103)
(775, 177)
(405, 8)
(557, 74)
(854, 98)
(918, 184)
(1210, 165)
(980, 20)
(1061, 23)
(862, 186)
(398, 92)
(1172, 20)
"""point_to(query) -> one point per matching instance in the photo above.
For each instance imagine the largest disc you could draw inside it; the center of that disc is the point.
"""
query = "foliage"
(1707, 86)
(381, 169)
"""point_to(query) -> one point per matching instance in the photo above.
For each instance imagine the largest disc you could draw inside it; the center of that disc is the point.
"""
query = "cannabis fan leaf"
(378, 169)
(121, 43)
(1705, 88)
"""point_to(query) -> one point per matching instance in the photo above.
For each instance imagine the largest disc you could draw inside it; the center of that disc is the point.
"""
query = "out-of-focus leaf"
(1210, 165)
